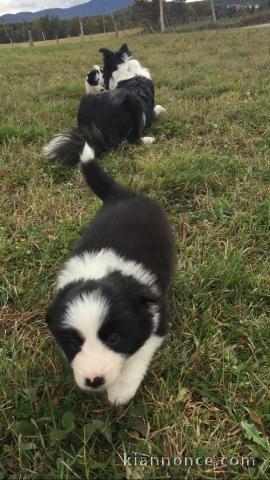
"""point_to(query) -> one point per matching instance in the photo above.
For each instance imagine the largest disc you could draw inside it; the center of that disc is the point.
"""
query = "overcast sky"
(14, 6)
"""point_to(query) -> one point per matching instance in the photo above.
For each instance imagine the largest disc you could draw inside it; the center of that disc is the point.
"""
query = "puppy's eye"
(75, 343)
(113, 339)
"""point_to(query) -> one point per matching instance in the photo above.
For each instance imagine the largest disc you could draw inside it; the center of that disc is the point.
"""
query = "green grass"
(207, 393)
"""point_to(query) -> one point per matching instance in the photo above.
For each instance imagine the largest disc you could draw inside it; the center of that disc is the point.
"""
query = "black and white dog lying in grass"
(110, 312)
(121, 113)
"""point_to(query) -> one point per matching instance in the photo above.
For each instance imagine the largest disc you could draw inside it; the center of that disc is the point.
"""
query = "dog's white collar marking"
(95, 265)
(130, 68)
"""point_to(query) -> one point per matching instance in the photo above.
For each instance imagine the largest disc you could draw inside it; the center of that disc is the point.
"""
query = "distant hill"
(89, 9)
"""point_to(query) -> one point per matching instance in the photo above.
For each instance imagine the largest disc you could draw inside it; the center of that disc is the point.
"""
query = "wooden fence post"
(81, 29)
(213, 11)
(30, 39)
(161, 16)
(115, 25)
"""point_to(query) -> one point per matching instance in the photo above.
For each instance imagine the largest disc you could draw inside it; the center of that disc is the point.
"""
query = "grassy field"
(97, 37)
(207, 394)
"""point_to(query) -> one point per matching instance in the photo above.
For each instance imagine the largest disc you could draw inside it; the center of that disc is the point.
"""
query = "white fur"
(86, 314)
(96, 360)
(154, 309)
(135, 367)
(88, 154)
(54, 144)
(95, 265)
(122, 376)
(158, 110)
(130, 68)
(148, 140)
(95, 89)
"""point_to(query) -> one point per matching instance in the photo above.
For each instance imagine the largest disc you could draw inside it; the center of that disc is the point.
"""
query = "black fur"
(129, 223)
(136, 228)
(93, 77)
(117, 115)
(112, 60)
(69, 151)
(143, 90)
(110, 118)
(129, 314)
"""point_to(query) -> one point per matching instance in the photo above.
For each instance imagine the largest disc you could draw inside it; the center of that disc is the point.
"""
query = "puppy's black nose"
(95, 382)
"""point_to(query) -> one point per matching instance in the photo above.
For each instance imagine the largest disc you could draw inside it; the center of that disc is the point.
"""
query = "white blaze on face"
(86, 314)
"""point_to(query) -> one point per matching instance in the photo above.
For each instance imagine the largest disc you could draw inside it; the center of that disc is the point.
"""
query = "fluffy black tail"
(135, 107)
(102, 184)
(68, 147)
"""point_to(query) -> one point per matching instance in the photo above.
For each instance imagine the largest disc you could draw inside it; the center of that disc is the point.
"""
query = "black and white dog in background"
(121, 113)
(110, 312)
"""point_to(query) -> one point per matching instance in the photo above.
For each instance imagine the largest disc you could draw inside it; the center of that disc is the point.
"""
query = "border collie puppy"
(110, 312)
(94, 81)
(122, 113)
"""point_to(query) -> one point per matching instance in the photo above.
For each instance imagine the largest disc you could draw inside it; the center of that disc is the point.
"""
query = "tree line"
(143, 13)
(177, 12)
(50, 27)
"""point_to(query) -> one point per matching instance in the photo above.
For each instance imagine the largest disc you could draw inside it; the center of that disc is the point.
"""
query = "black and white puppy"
(110, 312)
(122, 113)
(94, 81)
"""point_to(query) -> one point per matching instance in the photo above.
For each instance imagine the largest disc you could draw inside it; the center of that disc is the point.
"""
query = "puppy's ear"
(124, 50)
(146, 295)
(106, 52)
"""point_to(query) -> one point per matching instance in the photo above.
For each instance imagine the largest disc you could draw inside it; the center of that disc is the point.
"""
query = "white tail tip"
(88, 154)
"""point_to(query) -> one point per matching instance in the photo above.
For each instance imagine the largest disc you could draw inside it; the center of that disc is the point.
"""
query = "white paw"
(119, 394)
(159, 109)
(148, 140)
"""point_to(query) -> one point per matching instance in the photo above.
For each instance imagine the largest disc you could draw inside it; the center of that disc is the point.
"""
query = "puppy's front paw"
(159, 109)
(118, 394)
(148, 140)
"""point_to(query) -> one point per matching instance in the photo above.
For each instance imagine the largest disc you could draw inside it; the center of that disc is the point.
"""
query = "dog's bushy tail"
(135, 107)
(68, 147)
(102, 184)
